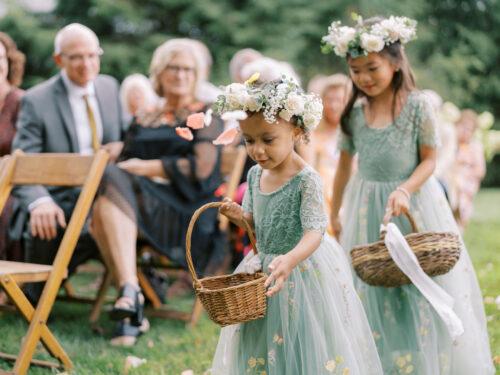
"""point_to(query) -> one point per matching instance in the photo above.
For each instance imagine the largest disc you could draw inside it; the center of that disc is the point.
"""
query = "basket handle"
(195, 216)
(389, 216)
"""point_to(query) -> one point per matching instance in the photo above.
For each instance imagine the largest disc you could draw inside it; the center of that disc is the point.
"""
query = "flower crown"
(282, 98)
(362, 39)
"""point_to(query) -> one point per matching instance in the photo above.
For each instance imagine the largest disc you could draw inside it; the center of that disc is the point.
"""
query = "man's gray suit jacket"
(46, 124)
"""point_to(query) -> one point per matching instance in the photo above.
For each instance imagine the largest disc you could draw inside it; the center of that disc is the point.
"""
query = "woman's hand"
(280, 268)
(397, 204)
(139, 167)
(114, 149)
(336, 226)
(233, 211)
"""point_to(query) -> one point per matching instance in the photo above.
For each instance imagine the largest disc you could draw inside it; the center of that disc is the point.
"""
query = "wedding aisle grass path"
(169, 348)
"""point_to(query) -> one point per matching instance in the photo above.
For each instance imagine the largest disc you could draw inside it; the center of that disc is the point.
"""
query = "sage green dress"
(316, 324)
(409, 335)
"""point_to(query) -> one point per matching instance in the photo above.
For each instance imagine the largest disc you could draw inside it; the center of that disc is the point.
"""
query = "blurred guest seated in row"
(165, 172)
(11, 75)
(77, 111)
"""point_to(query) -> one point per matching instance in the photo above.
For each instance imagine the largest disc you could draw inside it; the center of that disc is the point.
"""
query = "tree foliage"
(456, 52)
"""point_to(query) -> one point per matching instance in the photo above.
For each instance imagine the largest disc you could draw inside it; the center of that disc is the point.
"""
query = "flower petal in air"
(227, 137)
(234, 115)
(253, 78)
(184, 133)
(196, 120)
(208, 117)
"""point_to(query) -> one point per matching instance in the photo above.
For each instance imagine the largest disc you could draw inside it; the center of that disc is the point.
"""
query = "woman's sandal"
(126, 334)
(130, 304)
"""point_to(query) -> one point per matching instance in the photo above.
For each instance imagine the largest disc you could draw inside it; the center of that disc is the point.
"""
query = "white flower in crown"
(252, 104)
(235, 94)
(372, 43)
(295, 103)
(285, 115)
(339, 37)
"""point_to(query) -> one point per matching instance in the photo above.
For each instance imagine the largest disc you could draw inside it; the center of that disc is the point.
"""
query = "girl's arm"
(342, 176)
(399, 200)
(282, 265)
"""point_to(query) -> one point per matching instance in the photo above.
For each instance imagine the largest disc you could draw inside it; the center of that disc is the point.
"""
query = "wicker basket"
(437, 253)
(228, 299)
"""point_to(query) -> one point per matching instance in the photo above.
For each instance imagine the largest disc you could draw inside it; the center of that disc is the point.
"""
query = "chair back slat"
(51, 169)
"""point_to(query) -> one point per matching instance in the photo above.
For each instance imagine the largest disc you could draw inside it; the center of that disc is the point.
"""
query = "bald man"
(76, 111)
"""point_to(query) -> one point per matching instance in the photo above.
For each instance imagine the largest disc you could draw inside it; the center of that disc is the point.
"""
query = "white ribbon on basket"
(408, 263)
(250, 264)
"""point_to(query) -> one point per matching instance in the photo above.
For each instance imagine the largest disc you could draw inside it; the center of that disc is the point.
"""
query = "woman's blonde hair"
(165, 53)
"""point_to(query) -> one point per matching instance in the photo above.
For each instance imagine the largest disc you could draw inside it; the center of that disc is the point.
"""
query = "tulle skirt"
(410, 337)
(314, 325)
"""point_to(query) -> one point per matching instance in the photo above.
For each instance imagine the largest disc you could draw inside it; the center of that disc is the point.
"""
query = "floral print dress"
(410, 337)
(316, 323)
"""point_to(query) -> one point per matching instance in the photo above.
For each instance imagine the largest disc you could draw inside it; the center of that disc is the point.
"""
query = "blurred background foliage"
(456, 52)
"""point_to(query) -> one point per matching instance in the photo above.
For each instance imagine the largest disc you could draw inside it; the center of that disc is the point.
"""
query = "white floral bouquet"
(362, 39)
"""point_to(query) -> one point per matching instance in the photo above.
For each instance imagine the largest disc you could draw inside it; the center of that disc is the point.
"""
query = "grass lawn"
(170, 348)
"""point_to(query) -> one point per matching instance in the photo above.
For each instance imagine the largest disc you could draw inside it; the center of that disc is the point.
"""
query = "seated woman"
(158, 183)
(11, 76)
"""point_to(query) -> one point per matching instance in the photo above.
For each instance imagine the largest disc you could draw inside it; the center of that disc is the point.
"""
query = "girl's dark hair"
(15, 60)
(403, 81)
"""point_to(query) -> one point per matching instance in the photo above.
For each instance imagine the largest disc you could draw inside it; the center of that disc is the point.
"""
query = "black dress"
(163, 209)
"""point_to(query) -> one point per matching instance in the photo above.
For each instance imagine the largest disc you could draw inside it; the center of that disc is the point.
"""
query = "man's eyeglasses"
(78, 58)
(178, 69)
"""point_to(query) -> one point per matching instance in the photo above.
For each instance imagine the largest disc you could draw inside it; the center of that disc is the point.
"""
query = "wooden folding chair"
(54, 170)
(232, 164)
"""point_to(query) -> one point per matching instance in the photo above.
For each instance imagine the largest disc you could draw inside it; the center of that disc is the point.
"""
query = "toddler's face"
(371, 74)
(268, 144)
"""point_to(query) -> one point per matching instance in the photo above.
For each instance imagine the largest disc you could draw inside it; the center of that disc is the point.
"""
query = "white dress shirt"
(80, 116)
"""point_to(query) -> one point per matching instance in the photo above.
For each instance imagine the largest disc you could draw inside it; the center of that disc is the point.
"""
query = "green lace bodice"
(391, 153)
(282, 216)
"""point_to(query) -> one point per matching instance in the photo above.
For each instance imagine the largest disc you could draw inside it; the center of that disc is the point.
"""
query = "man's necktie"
(93, 127)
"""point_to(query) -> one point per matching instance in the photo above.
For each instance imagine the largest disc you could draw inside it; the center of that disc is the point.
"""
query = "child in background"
(469, 168)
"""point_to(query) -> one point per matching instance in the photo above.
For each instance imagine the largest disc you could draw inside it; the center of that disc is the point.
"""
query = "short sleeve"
(427, 124)
(247, 203)
(346, 143)
(312, 209)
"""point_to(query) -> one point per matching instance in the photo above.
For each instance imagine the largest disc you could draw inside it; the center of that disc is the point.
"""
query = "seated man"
(76, 111)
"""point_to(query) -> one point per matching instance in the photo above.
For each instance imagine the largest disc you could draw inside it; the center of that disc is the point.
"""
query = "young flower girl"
(391, 127)
(315, 323)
